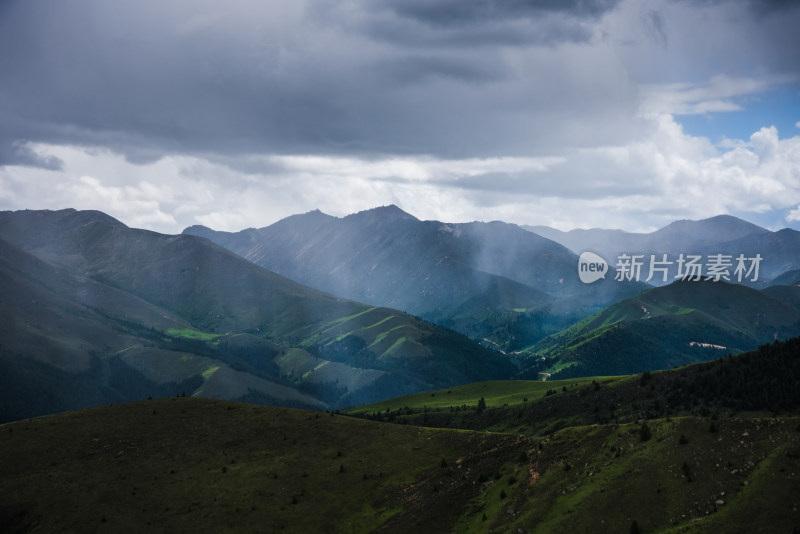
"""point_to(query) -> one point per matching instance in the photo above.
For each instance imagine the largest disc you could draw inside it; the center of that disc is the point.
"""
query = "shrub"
(644, 432)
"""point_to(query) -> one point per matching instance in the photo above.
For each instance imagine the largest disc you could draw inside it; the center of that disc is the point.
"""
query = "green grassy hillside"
(666, 327)
(196, 465)
(761, 381)
(713, 447)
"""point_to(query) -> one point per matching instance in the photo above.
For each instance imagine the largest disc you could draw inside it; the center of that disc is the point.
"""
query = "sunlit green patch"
(395, 346)
(380, 337)
(210, 371)
(192, 334)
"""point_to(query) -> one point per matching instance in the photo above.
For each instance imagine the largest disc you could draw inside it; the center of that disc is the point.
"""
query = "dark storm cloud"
(448, 78)
(17, 152)
(144, 78)
(481, 23)
(542, 31)
(470, 12)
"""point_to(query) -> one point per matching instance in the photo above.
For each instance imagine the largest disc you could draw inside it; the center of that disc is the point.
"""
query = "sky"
(568, 113)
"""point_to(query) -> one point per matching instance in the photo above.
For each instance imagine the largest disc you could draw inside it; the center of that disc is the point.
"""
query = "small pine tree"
(481, 404)
(635, 528)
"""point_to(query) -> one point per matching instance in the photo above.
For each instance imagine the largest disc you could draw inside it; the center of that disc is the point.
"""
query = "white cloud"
(138, 205)
(637, 186)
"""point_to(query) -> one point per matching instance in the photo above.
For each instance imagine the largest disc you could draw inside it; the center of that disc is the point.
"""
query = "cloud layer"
(172, 113)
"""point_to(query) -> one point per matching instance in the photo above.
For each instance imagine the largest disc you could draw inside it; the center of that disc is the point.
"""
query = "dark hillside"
(759, 381)
(109, 304)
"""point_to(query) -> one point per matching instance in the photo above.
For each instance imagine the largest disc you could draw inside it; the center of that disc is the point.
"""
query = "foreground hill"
(666, 452)
(669, 326)
(96, 312)
(199, 465)
(204, 465)
(486, 280)
(762, 381)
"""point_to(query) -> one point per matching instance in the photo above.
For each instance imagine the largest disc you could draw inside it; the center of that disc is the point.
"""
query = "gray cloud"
(417, 69)
(18, 152)
(470, 12)
(235, 84)
(145, 77)
(557, 183)
(547, 29)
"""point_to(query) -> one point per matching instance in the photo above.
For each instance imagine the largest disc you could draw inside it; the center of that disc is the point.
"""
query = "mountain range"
(494, 281)
(517, 292)
(95, 312)
(723, 234)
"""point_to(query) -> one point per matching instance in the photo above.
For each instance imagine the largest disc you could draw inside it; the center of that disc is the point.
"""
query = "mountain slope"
(758, 381)
(668, 326)
(179, 308)
(383, 256)
(483, 279)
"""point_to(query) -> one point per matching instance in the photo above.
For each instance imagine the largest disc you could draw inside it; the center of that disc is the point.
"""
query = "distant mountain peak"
(725, 224)
(312, 218)
(390, 213)
(199, 230)
(82, 216)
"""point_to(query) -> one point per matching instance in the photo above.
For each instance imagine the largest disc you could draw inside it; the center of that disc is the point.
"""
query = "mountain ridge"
(482, 279)
(722, 234)
(333, 349)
